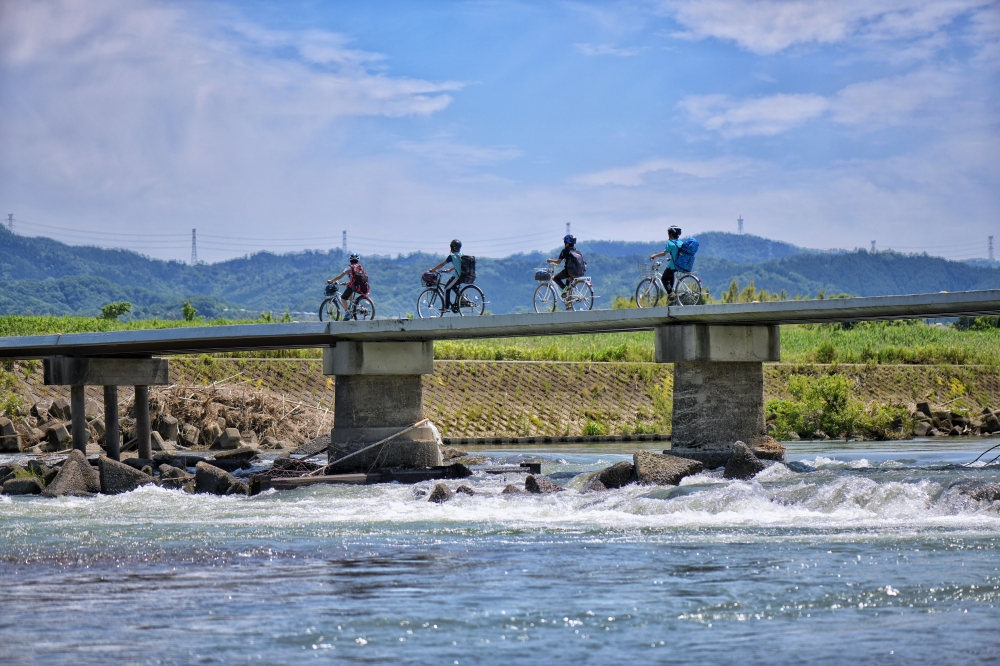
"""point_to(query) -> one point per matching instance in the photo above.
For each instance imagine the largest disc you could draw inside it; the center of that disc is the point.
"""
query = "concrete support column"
(142, 428)
(112, 435)
(78, 408)
(718, 385)
(379, 392)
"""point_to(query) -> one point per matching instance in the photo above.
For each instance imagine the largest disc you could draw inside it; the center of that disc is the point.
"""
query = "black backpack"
(575, 265)
(359, 279)
(468, 272)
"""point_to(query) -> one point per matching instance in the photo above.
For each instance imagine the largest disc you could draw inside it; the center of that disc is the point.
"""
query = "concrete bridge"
(718, 353)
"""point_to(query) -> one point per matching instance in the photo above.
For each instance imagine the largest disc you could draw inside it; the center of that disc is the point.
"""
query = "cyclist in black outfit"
(455, 259)
(569, 242)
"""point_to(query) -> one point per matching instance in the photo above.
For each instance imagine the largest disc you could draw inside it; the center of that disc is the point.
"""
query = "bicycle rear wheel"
(471, 301)
(363, 309)
(545, 298)
(430, 303)
(648, 293)
(329, 310)
(582, 296)
(688, 290)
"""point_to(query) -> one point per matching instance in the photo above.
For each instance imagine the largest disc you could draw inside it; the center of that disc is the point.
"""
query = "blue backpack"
(685, 255)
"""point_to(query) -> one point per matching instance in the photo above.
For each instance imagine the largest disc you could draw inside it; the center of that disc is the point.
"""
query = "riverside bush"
(825, 406)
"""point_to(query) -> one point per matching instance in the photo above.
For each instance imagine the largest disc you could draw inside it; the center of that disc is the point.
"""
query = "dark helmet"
(456, 245)
(675, 232)
(355, 257)
(569, 239)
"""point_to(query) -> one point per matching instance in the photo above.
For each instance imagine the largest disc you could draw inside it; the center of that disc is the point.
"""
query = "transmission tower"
(991, 249)
(345, 241)
(10, 225)
(739, 222)
(194, 247)
(567, 228)
(873, 247)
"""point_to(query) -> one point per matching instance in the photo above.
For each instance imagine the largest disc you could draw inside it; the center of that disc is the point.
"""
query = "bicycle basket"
(647, 269)
(330, 289)
(542, 274)
(430, 279)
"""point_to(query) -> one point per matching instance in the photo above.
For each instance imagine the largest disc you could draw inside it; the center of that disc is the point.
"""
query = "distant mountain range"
(43, 276)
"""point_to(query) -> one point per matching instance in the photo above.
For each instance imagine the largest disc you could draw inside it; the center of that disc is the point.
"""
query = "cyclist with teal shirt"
(673, 248)
(455, 259)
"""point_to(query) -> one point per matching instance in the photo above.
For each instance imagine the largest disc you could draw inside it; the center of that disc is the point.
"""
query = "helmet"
(674, 231)
(355, 257)
(569, 239)
(456, 245)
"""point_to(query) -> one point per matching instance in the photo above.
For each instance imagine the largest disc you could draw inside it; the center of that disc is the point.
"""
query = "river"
(848, 553)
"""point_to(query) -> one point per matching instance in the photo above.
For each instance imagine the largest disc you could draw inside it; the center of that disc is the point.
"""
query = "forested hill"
(43, 276)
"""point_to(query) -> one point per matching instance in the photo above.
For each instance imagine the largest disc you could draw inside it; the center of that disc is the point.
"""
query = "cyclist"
(573, 265)
(673, 248)
(455, 259)
(356, 283)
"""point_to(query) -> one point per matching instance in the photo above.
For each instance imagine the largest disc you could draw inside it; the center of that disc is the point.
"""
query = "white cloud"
(633, 176)
(892, 101)
(606, 49)
(765, 116)
(770, 26)
(457, 154)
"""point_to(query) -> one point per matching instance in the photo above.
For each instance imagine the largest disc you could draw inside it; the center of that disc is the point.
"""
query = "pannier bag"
(685, 255)
(430, 278)
(468, 274)
(575, 265)
(359, 279)
(542, 275)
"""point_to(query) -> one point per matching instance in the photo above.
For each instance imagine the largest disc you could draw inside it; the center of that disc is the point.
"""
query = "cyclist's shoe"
(347, 317)
(455, 309)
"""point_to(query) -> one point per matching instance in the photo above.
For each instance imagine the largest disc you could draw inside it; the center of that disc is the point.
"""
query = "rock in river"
(743, 464)
(539, 485)
(441, 493)
(118, 477)
(659, 469)
(616, 476)
(211, 479)
(76, 477)
(27, 485)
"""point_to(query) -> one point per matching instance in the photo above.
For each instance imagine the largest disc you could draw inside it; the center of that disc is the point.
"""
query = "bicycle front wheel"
(471, 301)
(545, 298)
(364, 308)
(329, 310)
(647, 294)
(688, 290)
(430, 303)
(582, 296)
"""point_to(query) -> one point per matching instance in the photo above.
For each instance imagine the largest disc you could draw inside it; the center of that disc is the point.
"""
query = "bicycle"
(361, 307)
(430, 303)
(687, 287)
(579, 294)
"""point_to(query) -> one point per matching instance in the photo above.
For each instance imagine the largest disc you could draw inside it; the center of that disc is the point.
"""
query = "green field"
(869, 342)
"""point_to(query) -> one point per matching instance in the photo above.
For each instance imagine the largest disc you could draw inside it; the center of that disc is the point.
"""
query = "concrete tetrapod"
(76, 477)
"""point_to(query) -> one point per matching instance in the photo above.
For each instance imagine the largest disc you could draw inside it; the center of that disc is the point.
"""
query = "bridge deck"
(253, 337)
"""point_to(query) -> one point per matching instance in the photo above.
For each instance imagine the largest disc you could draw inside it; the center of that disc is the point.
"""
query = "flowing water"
(846, 553)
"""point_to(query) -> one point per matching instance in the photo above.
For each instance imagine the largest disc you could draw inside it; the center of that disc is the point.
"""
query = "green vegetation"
(824, 405)
(114, 310)
(189, 311)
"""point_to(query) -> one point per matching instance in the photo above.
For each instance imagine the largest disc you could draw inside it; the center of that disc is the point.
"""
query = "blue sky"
(277, 125)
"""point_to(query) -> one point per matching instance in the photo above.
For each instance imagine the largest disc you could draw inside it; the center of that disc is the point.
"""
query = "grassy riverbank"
(909, 343)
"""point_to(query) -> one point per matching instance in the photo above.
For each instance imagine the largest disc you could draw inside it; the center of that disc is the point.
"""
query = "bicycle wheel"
(329, 310)
(688, 290)
(648, 293)
(471, 301)
(545, 298)
(582, 296)
(430, 303)
(363, 308)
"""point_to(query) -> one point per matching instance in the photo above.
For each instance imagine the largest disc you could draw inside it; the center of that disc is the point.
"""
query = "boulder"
(243, 453)
(539, 485)
(449, 452)
(990, 423)
(167, 426)
(922, 428)
(511, 489)
(176, 478)
(925, 409)
(441, 493)
(76, 477)
(618, 475)
(211, 479)
(26, 485)
(271, 443)
(118, 477)
(58, 436)
(10, 441)
(661, 469)
(187, 435)
(593, 484)
(92, 409)
(989, 492)
(230, 439)
(172, 459)
(40, 410)
(743, 464)
(8, 472)
(465, 490)
(61, 410)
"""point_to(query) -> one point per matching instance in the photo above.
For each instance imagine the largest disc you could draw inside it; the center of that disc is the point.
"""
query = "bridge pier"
(379, 393)
(718, 386)
(78, 373)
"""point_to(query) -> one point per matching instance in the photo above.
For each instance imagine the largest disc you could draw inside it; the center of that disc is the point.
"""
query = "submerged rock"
(989, 492)
(241, 453)
(616, 476)
(539, 485)
(441, 493)
(26, 485)
(176, 478)
(660, 469)
(118, 477)
(465, 490)
(743, 464)
(511, 489)
(211, 479)
(76, 477)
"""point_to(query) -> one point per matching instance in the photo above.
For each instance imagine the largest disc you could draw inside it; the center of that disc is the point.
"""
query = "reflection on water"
(857, 551)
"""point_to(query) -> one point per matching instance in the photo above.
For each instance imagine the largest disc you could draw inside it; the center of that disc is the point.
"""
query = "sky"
(279, 125)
